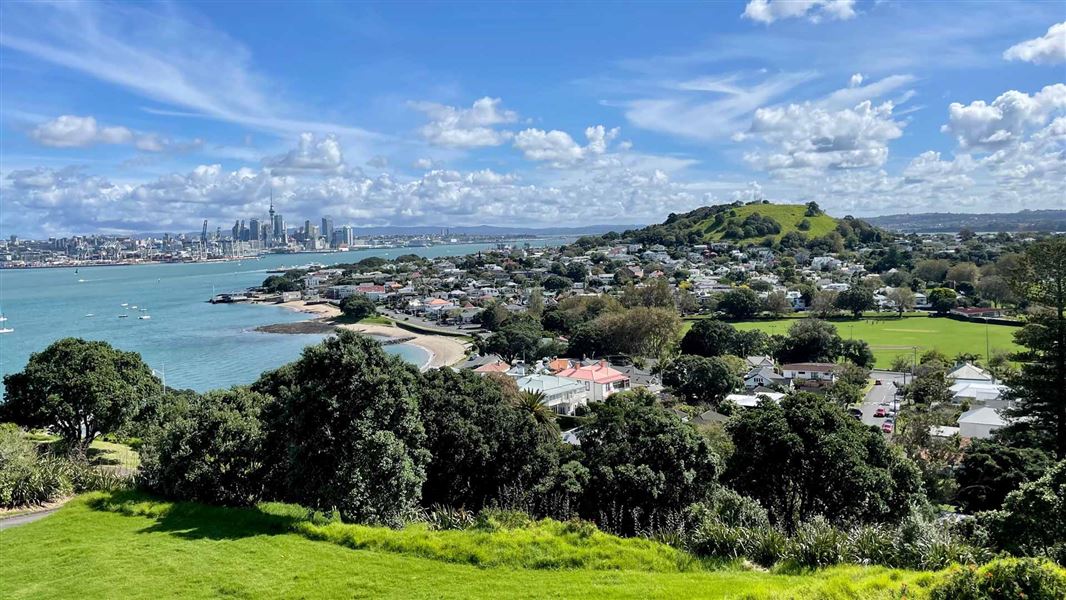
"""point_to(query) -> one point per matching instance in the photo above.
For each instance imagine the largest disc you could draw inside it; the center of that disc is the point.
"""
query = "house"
(979, 423)
(976, 392)
(599, 379)
(752, 400)
(756, 362)
(562, 395)
(493, 367)
(969, 373)
(765, 377)
(977, 312)
(810, 373)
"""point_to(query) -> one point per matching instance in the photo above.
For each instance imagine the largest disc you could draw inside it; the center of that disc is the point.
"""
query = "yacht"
(144, 317)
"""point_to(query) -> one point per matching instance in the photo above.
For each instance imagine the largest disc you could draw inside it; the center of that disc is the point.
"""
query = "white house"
(560, 394)
(751, 400)
(979, 423)
(979, 392)
(968, 373)
(599, 379)
(765, 377)
(817, 373)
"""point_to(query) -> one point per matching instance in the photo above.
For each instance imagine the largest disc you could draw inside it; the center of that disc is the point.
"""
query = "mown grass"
(122, 546)
(788, 216)
(890, 336)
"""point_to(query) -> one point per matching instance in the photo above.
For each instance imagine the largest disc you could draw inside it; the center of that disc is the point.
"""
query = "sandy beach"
(443, 350)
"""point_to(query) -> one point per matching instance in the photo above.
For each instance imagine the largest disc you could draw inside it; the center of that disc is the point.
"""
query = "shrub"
(26, 477)
(1006, 578)
(816, 544)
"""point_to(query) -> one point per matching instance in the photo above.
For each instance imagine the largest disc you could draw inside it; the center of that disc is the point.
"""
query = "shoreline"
(442, 351)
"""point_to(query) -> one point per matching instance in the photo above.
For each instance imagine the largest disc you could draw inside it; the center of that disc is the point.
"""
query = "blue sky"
(149, 117)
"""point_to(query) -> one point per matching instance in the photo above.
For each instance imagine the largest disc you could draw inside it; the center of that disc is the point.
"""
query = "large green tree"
(518, 338)
(989, 471)
(709, 337)
(481, 442)
(856, 300)
(642, 461)
(700, 379)
(1038, 390)
(740, 303)
(806, 457)
(345, 432)
(80, 389)
(358, 306)
(810, 340)
(212, 452)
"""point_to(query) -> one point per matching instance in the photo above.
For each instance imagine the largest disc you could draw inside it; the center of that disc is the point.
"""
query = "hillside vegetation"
(788, 217)
(133, 547)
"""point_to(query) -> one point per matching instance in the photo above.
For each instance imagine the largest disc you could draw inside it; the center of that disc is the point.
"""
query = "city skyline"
(122, 118)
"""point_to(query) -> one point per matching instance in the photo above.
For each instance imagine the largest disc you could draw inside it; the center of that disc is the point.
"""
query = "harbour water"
(196, 344)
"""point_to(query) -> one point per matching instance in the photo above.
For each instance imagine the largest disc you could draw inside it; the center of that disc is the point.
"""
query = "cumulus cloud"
(72, 131)
(1049, 49)
(806, 136)
(312, 154)
(984, 127)
(768, 11)
(466, 127)
(559, 149)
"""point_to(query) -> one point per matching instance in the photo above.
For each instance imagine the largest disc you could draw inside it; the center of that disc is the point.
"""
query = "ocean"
(193, 343)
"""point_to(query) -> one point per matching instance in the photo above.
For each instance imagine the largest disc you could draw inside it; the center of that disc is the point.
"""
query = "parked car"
(855, 412)
(877, 382)
(880, 412)
(886, 427)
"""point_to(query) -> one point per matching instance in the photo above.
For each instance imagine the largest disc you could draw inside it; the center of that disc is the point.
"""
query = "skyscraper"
(327, 229)
(254, 229)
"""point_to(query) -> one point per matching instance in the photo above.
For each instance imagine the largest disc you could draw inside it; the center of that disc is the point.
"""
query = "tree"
(556, 283)
(80, 389)
(855, 300)
(996, 289)
(942, 299)
(990, 470)
(777, 304)
(810, 340)
(345, 432)
(813, 210)
(740, 303)
(709, 337)
(358, 307)
(494, 316)
(844, 394)
(806, 457)
(857, 352)
(535, 306)
(519, 338)
(964, 272)
(276, 284)
(902, 298)
(211, 453)
(699, 379)
(930, 385)
(1033, 519)
(642, 461)
(931, 270)
(480, 442)
(534, 405)
(1039, 388)
(824, 303)
(638, 331)
(656, 293)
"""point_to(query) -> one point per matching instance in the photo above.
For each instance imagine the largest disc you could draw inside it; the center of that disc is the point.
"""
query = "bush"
(26, 477)
(1006, 578)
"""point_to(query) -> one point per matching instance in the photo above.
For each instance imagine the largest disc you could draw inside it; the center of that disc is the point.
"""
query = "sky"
(137, 117)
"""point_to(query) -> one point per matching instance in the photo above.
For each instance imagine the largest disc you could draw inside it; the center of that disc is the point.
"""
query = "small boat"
(2, 318)
(6, 329)
(144, 310)
(89, 315)
(82, 280)
(124, 304)
(123, 316)
(133, 307)
(144, 317)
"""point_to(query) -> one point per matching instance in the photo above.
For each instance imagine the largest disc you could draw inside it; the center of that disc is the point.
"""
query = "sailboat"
(5, 329)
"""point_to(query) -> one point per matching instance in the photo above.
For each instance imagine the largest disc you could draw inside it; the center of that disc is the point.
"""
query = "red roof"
(496, 367)
(600, 372)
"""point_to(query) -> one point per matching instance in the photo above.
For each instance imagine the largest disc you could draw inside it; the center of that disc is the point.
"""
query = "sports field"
(890, 336)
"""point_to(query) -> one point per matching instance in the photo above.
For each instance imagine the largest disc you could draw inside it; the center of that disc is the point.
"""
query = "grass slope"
(101, 546)
(788, 216)
(890, 336)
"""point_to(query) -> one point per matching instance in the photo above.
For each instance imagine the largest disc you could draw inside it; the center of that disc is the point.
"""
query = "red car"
(880, 412)
(886, 427)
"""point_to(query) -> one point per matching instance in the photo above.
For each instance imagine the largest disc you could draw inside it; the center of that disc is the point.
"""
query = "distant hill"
(1026, 220)
(745, 224)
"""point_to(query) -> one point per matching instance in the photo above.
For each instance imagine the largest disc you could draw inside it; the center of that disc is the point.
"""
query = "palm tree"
(532, 403)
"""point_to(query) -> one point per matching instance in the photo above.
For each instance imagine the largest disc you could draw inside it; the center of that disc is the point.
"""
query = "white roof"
(943, 431)
(750, 400)
(982, 416)
(983, 392)
(549, 384)
(970, 372)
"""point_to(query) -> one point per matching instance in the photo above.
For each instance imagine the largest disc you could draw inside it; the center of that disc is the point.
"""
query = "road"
(882, 395)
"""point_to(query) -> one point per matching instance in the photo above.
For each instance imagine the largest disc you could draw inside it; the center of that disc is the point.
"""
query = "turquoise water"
(196, 344)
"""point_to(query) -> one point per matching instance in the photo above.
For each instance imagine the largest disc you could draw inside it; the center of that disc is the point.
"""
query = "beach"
(443, 350)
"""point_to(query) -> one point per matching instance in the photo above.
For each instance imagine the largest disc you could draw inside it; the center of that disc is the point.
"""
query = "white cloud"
(1049, 49)
(768, 11)
(856, 92)
(710, 109)
(72, 131)
(466, 127)
(856, 80)
(806, 136)
(312, 154)
(559, 149)
(984, 127)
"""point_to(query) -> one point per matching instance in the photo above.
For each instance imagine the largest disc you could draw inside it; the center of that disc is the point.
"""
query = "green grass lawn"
(103, 546)
(788, 216)
(890, 336)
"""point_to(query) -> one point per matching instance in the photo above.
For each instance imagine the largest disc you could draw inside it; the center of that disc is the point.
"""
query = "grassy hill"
(123, 546)
(788, 216)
